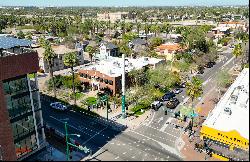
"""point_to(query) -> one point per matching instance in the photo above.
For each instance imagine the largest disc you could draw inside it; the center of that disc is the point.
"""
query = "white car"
(58, 106)
(156, 105)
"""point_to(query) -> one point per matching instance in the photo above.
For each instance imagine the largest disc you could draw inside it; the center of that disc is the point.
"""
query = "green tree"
(154, 42)
(194, 90)
(20, 35)
(70, 59)
(223, 79)
(91, 50)
(49, 56)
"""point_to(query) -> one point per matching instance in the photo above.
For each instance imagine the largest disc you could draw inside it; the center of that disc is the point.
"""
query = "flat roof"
(9, 42)
(236, 101)
(113, 66)
(61, 49)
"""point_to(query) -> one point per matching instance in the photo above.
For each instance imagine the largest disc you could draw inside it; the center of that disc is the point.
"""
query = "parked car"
(209, 65)
(168, 96)
(172, 103)
(58, 106)
(156, 105)
(177, 90)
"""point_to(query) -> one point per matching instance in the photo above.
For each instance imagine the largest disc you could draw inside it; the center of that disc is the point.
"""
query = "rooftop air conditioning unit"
(227, 110)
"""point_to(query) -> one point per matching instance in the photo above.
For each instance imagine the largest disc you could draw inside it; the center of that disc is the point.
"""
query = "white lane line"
(133, 157)
(124, 153)
(168, 148)
(117, 157)
(151, 119)
(163, 132)
(94, 135)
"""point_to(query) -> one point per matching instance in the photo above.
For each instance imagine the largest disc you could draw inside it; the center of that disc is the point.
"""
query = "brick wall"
(115, 87)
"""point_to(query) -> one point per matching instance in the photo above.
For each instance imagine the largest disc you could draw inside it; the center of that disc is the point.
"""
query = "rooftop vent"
(227, 110)
(145, 59)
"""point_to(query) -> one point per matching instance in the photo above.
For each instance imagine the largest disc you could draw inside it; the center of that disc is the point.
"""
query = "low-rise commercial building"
(108, 73)
(21, 123)
(226, 129)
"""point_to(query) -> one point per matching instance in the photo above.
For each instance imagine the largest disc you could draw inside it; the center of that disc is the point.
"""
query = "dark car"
(180, 85)
(172, 103)
(168, 96)
(209, 65)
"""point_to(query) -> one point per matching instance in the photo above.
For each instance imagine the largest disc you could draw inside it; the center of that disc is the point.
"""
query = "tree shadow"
(96, 131)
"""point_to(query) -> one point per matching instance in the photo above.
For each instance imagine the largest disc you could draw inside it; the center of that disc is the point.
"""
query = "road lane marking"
(166, 147)
(163, 132)
(124, 153)
(94, 135)
(117, 157)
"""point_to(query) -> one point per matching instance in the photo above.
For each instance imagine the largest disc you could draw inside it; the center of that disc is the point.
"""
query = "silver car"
(58, 106)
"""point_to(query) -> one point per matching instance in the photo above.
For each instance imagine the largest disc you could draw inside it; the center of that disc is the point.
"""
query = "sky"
(122, 2)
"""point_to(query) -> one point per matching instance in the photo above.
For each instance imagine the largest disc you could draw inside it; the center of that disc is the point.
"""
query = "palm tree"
(70, 59)
(138, 26)
(194, 90)
(166, 27)
(49, 56)
(237, 50)
(91, 50)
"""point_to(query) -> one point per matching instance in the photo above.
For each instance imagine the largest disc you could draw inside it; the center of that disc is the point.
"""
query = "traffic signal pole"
(123, 87)
(67, 145)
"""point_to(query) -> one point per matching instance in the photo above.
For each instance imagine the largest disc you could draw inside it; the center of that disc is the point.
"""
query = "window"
(101, 80)
(106, 81)
(81, 74)
(110, 82)
(89, 77)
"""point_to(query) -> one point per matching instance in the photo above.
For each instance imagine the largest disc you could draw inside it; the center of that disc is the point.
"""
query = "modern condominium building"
(21, 123)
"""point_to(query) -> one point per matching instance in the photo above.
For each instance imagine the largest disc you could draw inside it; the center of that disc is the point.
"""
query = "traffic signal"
(70, 149)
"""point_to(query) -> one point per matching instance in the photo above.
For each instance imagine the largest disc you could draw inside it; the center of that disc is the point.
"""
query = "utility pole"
(123, 87)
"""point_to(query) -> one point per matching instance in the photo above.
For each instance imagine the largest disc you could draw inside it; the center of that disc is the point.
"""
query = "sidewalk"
(188, 150)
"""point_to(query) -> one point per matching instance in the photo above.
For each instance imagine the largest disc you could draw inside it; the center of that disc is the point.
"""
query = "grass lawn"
(91, 101)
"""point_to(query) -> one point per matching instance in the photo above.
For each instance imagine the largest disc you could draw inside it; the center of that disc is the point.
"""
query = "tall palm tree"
(70, 59)
(194, 90)
(49, 56)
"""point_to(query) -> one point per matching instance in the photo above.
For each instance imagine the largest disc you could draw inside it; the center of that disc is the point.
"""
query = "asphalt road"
(153, 140)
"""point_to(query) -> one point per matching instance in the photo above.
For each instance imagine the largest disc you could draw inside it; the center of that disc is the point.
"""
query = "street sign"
(85, 149)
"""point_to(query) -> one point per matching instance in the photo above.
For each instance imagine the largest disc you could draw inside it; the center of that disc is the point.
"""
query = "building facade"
(107, 74)
(226, 128)
(21, 123)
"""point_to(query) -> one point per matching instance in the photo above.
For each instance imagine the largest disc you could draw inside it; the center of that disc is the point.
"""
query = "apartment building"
(21, 123)
(107, 74)
(226, 128)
